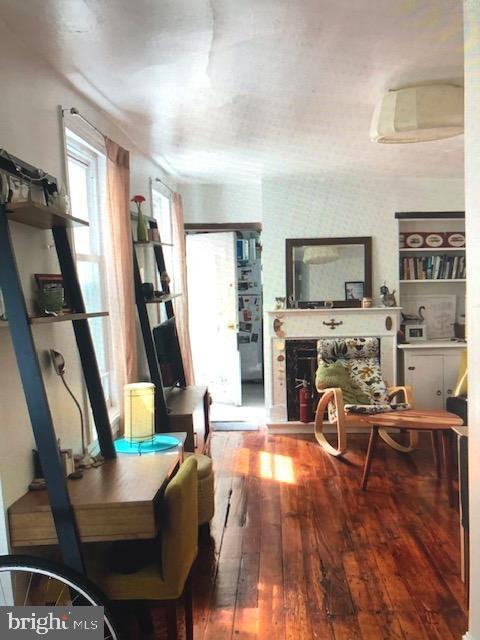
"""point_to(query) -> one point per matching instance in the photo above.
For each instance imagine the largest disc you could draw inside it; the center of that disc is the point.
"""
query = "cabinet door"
(424, 373)
(451, 366)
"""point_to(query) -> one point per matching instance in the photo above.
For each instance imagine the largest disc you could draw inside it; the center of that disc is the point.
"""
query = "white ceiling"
(229, 90)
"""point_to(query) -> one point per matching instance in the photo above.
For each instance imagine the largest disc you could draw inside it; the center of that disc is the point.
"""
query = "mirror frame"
(291, 243)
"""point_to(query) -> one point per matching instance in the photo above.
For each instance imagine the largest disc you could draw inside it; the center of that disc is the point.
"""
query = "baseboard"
(278, 428)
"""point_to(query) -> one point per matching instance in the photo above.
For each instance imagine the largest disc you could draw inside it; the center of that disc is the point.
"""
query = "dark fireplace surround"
(301, 364)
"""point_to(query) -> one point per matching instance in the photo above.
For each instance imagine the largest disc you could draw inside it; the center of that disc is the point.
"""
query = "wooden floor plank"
(299, 552)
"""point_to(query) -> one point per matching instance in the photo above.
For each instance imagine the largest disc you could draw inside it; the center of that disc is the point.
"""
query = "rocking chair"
(361, 358)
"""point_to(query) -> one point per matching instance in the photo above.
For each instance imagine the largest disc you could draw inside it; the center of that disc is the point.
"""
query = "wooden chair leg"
(437, 453)
(172, 620)
(372, 443)
(188, 603)
(447, 453)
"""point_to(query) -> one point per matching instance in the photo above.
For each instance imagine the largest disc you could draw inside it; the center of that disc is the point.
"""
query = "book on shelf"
(438, 267)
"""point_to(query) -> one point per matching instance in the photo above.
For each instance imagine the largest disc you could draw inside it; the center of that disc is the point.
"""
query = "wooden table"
(438, 422)
(116, 501)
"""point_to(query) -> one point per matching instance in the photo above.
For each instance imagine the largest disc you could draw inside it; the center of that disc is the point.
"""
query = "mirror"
(328, 271)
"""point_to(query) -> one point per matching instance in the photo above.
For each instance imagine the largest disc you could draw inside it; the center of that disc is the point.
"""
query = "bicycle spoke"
(60, 595)
(3, 591)
(28, 590)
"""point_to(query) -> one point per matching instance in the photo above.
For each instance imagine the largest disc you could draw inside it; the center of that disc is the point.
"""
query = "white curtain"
(180, 275)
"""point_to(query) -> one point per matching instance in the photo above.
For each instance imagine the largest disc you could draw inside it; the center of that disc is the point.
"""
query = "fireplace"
(301, 364)
(290, 350)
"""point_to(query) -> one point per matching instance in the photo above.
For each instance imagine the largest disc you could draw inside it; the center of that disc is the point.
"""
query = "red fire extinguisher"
(304, 401)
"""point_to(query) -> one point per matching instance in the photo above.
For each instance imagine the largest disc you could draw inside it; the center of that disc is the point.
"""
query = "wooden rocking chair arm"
(405, 391)
(332, 394)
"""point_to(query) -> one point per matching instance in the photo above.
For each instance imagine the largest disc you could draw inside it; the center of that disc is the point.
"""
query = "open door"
(212, 305)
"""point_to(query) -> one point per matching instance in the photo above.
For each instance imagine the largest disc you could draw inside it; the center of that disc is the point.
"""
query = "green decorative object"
(142, 231)
(336, 375)
(50, 302)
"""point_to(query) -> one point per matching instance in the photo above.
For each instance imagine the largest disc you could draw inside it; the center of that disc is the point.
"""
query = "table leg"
(437, 453)
(447, 453)
(372, 443)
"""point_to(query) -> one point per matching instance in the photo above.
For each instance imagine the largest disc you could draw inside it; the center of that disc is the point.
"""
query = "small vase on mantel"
(142, 231)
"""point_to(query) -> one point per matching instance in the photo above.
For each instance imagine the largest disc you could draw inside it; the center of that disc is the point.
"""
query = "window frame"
(93, 160)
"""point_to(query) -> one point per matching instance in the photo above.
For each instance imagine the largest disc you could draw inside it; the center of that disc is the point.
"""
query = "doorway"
(224, 279)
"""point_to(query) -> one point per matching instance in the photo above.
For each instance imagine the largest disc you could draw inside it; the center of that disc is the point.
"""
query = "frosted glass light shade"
(419, 114)
(320, 255)
(139, 410)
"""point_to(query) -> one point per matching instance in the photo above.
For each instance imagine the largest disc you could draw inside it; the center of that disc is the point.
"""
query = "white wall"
(30, 129)
(222, 202)
(472, 188)
(352, 206)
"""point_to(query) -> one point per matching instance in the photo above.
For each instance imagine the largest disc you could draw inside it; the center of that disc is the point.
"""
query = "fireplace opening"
(301, 364)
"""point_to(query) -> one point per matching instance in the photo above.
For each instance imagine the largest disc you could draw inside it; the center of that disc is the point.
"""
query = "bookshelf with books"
(432, 262)
(431, 293)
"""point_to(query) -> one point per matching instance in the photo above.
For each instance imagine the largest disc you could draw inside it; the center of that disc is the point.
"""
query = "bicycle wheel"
(31, 581)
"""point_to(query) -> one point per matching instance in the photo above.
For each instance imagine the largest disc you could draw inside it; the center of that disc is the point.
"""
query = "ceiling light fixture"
(418, 114)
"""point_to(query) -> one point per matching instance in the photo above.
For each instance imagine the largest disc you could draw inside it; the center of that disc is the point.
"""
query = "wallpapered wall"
(30, 129)
(334, 206)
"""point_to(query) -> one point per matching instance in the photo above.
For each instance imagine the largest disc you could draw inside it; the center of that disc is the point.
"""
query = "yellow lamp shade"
(139, 410)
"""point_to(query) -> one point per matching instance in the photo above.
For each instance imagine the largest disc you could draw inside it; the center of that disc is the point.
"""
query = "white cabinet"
(431, 372)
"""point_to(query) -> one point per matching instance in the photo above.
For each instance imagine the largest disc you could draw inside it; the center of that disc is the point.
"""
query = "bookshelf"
(432, 260)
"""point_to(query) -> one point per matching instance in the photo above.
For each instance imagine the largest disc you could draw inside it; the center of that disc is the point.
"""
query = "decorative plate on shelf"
(434, 240)
(456, 239)
(414, 240)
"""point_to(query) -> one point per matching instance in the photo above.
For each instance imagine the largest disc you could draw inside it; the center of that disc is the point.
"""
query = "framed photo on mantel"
(354, 290)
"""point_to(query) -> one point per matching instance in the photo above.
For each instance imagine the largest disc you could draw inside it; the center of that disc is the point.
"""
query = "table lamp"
(139, 411)
(140, 436)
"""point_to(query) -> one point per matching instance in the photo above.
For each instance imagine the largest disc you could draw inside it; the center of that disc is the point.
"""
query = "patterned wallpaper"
(357, 205)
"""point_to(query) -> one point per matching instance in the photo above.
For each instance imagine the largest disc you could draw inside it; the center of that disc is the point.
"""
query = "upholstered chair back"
(361, 358)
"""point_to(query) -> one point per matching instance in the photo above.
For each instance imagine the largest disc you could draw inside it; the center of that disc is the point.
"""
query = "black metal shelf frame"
(161, 408)
(33, 384)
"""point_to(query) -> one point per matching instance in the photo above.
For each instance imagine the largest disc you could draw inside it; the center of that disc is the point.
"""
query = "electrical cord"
(62, 376)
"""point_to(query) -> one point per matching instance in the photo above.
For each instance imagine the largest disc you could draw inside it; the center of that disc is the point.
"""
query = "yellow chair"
(167, 576)
(206, 488)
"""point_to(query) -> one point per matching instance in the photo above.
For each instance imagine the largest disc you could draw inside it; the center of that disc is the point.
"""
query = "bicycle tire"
(69, 577)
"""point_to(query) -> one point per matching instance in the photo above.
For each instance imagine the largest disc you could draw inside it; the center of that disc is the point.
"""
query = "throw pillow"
(335, 375)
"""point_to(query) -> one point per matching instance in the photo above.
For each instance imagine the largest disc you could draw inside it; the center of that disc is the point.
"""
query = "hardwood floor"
(298, 552)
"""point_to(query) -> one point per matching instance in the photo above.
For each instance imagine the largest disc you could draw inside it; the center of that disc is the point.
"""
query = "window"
(87, 180)
(162, 213)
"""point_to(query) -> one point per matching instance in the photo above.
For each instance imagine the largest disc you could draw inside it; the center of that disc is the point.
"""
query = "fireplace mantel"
(295, 324)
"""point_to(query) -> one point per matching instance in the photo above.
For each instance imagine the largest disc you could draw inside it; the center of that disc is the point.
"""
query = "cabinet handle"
(449, 392)
(439, 393)
(411, 368)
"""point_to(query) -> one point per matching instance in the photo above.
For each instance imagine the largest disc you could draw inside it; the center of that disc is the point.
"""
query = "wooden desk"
(116, 501)
(189, 412)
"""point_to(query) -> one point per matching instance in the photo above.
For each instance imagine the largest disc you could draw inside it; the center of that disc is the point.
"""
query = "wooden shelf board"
(163, 299)
(435, 281)
(67, 317)
(41, 216)
(438, 250)
(152, 242)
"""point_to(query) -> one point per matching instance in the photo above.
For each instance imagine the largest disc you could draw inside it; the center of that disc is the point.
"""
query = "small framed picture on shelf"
(50, 285)
(354, 290)
(415, 332)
